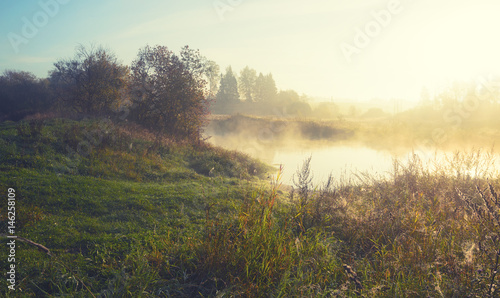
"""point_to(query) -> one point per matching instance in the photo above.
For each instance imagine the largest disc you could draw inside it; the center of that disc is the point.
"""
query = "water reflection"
(348, 161)
(341, 161)
(351, 163)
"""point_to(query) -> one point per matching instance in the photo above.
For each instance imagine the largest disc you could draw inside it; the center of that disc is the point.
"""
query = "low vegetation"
(127, 214)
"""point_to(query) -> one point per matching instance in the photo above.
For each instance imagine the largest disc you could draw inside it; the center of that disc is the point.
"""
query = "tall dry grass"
(430, 230)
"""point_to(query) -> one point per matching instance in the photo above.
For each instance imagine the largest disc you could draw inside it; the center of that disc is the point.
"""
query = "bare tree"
(93, 82)
(169, 91)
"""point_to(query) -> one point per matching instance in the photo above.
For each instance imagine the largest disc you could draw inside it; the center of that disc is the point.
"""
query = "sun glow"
(455, 46)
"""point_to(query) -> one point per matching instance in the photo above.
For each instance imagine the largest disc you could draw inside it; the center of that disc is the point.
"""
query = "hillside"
(106, 206)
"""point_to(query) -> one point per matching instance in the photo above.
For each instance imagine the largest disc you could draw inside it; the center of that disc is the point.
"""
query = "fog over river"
(349, 162)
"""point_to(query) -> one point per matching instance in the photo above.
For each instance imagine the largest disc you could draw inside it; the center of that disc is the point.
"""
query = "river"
(350, 163)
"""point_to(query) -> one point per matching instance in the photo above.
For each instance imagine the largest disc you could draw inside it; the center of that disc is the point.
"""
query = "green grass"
(125, 216)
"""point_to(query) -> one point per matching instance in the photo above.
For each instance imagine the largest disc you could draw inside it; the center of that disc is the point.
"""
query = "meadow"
(123, 214)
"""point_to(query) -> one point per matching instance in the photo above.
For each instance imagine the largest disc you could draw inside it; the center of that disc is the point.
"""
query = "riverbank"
(123, 215)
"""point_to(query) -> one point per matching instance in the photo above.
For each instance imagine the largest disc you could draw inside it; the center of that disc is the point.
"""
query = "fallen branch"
(37, 245)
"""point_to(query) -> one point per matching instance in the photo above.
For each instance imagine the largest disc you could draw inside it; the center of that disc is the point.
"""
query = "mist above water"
(350, 153)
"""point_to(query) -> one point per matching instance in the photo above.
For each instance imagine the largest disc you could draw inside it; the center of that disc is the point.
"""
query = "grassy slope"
(122, 222)
(111, 204)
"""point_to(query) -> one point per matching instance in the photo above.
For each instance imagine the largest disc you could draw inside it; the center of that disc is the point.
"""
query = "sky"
(357, 49)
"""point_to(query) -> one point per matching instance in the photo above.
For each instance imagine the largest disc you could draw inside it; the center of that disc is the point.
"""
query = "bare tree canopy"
(93, 82)
(169, 92)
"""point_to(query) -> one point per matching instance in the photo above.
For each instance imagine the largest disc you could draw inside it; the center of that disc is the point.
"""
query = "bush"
(22, 94)
(92, 83)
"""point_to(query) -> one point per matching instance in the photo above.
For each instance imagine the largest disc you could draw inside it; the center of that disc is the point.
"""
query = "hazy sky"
(358, 49)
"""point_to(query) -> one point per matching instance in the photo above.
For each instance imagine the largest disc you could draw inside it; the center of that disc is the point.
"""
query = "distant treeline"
(252, 94)
(161, 90)
(174, 93)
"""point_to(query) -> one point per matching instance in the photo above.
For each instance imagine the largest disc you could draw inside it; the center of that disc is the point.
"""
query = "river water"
(350, 163)
(342, 162)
